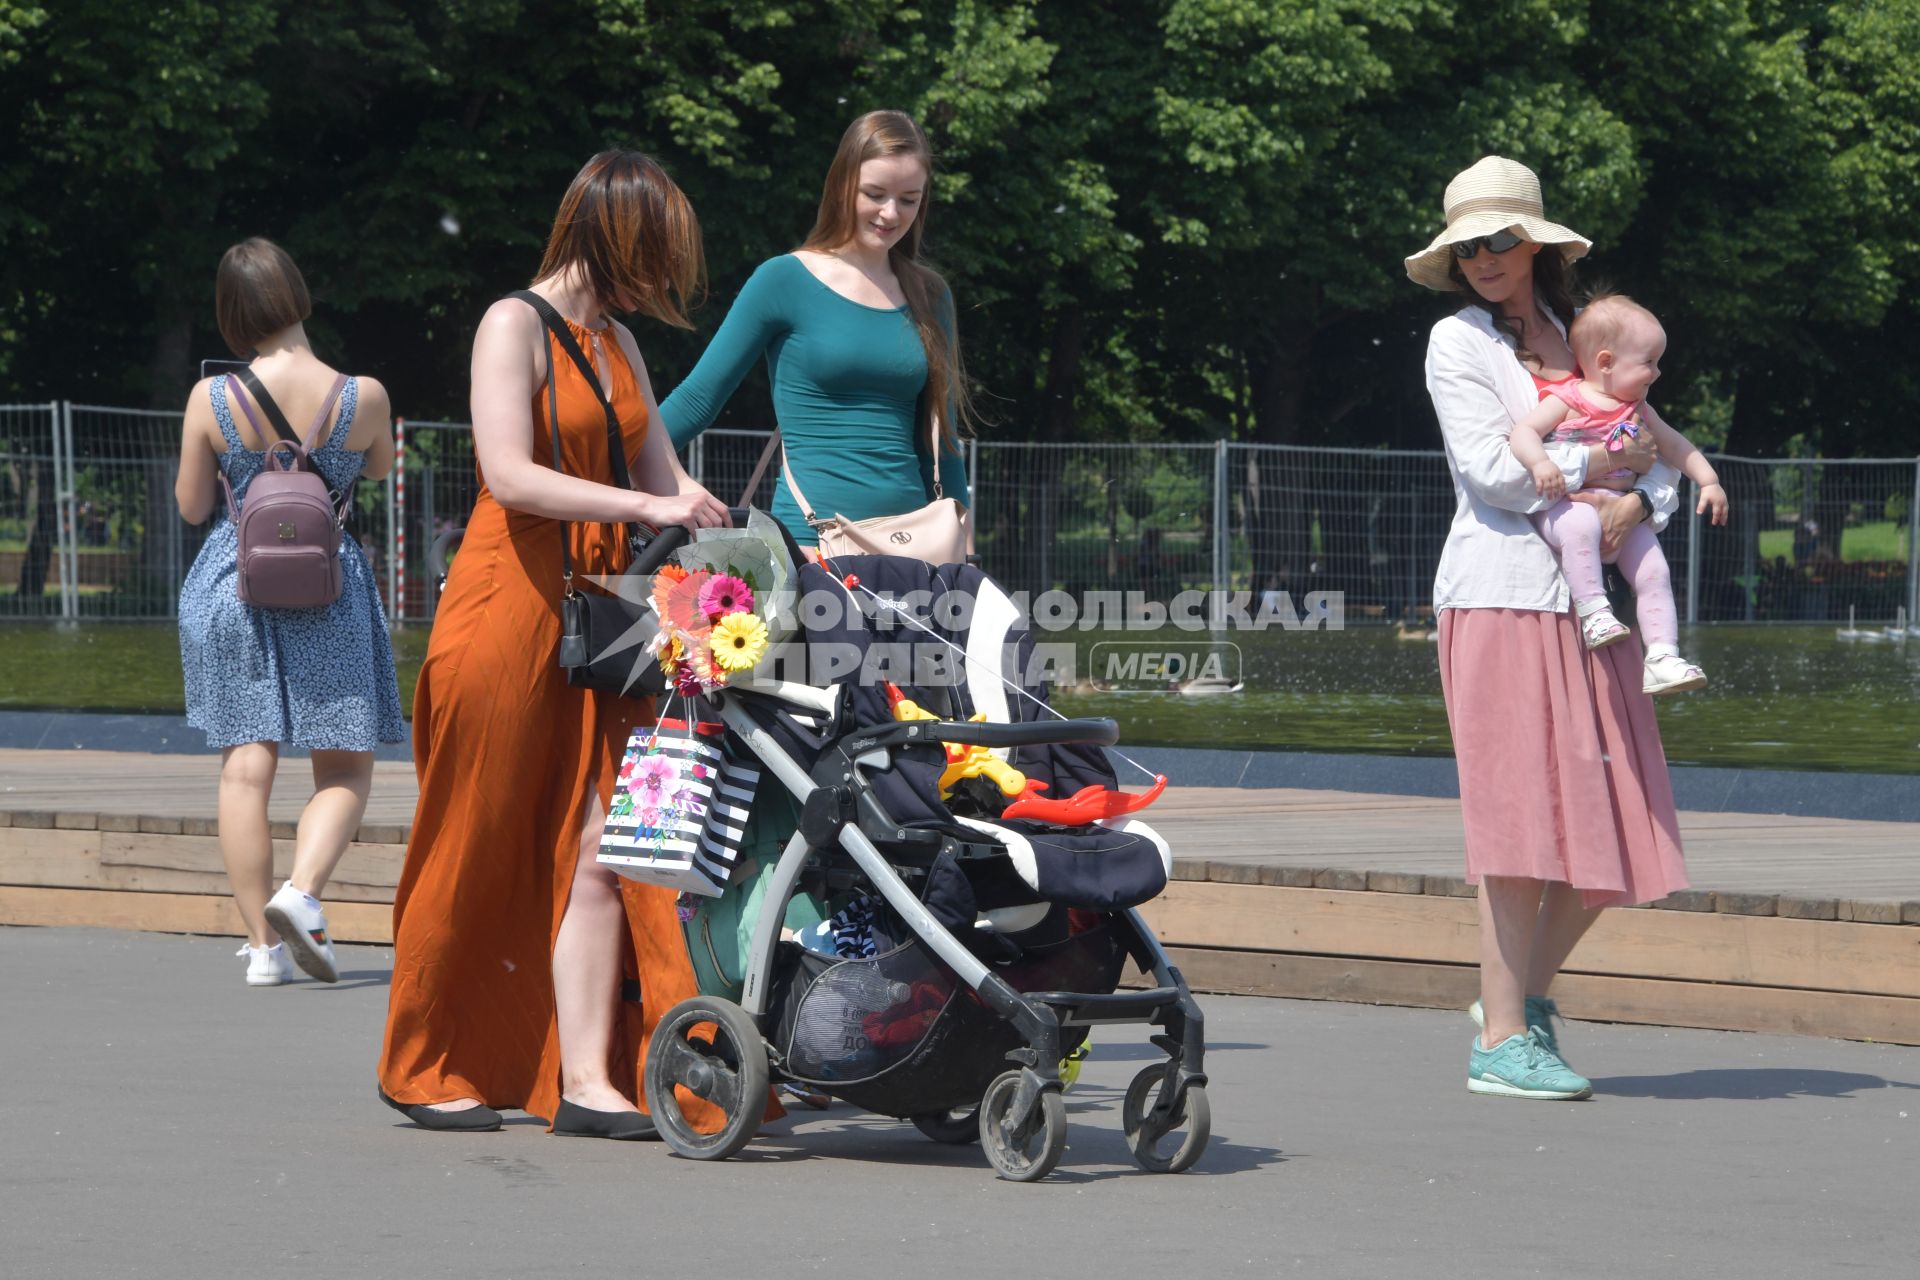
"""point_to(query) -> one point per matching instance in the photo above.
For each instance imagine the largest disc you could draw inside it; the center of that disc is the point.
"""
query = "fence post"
(697, 459)
(1222, 550)
(397, 524)
(972, 486)
(1693, 563)
(397, 607)
(59, 553)
(1749, 545)
(1913, 551)
(66, 511)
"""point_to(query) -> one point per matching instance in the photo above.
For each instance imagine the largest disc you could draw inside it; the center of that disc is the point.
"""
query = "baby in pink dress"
(1618, 343)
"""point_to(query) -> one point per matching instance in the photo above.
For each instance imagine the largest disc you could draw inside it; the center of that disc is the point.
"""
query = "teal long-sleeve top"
(847, 381)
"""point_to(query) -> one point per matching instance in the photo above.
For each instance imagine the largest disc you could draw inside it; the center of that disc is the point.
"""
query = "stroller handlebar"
(658, 544)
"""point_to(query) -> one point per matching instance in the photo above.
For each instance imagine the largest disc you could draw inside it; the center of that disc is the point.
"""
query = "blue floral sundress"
(318, 679)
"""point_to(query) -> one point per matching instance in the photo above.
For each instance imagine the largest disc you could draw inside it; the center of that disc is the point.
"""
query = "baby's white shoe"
(267, 966)
(1671, 673)
(1600, 628)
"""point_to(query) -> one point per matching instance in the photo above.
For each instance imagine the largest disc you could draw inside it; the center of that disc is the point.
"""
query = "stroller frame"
(691, 1050)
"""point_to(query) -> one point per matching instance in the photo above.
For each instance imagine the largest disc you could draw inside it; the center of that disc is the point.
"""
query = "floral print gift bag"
(679, 808)
(679, 811)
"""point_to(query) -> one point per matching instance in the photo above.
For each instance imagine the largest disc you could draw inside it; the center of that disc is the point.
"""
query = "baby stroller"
(995, 943)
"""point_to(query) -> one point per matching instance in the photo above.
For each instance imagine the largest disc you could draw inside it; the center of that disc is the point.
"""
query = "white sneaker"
(267, 966)
(301, 924)
(1671, 673)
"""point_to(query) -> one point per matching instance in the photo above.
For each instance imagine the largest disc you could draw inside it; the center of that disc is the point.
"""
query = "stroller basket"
(898, 1034)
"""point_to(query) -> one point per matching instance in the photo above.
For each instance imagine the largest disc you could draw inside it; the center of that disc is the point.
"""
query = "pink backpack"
(290, 526)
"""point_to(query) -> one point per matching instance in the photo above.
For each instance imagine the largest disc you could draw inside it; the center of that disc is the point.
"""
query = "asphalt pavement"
(158, 1118)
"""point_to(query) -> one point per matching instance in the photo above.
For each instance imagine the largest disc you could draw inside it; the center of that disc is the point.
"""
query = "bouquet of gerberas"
(716, 606)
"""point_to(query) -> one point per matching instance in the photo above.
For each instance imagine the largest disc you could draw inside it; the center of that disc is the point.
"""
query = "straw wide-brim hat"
(1494, 195)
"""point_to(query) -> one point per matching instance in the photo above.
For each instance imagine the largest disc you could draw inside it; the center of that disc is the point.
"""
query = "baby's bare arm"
(1528, 433)
(1526, 442)
(1677, 451)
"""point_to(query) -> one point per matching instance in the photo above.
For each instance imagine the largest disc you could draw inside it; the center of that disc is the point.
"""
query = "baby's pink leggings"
(1572, 529)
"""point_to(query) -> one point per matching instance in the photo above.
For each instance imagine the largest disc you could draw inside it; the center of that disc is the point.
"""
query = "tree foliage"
(1163, 218)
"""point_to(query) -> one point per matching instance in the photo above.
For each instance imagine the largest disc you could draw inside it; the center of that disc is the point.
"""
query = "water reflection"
(1781, 698)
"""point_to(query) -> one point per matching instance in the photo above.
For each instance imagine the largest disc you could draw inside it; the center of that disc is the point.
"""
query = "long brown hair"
(632, 233)
(893, 133)
(1552, 285)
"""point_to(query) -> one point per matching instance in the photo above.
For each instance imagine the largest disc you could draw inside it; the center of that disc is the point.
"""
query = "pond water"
(1781, 697)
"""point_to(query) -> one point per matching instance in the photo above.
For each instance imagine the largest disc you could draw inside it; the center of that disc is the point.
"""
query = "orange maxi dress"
(507, 755)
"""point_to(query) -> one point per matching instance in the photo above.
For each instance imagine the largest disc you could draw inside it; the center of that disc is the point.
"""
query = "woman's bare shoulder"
(374, 401)
(199, 410)
(201, 397)
(510, 315)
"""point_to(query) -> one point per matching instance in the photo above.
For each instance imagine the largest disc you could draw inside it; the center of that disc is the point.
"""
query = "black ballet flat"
(481, 1119)
(571, 1120)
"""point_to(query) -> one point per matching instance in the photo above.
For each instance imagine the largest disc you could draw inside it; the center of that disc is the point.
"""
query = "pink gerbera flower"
(724, 594)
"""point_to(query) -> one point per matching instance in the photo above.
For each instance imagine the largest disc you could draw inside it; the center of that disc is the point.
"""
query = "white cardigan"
(1493, 558)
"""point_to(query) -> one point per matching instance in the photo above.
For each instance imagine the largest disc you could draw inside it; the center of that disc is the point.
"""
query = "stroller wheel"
(1147, 1128)
(712, 1049)
(1022, 1152)
(957, 1127)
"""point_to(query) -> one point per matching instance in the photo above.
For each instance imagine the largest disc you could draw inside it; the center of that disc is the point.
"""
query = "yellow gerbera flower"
(739, 640)
(671, 651)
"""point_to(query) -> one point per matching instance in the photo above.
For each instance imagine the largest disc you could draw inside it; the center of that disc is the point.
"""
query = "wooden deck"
(1795, 924)
(1805, 858)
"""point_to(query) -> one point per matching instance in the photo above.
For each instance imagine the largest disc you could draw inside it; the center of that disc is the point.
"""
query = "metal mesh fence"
(1097, 516)
(1369, 523)
(1807, 540)
(34, 573)
(433, 491)
(88, 527)
(129, 546)
(723, 461)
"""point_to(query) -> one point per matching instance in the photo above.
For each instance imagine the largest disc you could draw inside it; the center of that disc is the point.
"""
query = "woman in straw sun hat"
(1563, 782)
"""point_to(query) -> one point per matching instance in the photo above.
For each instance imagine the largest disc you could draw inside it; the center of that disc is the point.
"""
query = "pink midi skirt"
(1562, 776)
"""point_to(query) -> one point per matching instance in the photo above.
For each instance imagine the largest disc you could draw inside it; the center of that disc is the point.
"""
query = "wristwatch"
(1646, 503)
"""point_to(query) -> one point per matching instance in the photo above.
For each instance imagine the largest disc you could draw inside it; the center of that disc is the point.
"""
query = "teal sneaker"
(1541, 1014)
(1522, 1067)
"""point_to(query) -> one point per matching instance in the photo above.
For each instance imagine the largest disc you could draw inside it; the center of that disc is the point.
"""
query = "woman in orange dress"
(525, 975)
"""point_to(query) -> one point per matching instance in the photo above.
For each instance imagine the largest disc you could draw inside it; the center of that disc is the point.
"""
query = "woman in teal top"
(859, 340)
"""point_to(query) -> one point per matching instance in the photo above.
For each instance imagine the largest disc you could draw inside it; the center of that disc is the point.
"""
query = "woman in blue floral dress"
(319, 679)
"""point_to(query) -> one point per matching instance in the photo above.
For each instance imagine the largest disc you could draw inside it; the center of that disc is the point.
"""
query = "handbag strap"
(268, 406)
(616, 451)
(287, 437)
(279, 419)
(760, 469)
(800, 499)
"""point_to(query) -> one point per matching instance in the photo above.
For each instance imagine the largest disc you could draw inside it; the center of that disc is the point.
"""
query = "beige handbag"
(939, 533)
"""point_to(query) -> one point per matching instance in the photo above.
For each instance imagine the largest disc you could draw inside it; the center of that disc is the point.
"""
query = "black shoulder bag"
(592, 624)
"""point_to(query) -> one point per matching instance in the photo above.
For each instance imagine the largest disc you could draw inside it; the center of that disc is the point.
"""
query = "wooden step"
(1738, 961)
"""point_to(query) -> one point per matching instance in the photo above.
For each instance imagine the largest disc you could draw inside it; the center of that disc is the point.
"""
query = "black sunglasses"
(1499, 242)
